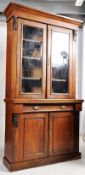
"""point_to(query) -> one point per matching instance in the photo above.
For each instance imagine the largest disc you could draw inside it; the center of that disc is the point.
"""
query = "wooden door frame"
(19, 58)
(71, 93)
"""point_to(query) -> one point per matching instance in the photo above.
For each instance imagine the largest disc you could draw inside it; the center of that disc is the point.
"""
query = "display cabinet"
(42, 112)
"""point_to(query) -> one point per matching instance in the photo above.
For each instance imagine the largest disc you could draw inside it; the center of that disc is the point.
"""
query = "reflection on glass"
(60, 62)
(32, 59)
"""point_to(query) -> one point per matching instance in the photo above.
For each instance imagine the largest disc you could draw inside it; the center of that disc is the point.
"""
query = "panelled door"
(31, 137)
(60, 74)
(61, 133)
(31, 59)
(35, 135)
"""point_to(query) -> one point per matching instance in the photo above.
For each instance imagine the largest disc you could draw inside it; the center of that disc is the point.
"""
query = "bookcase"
(42, 112)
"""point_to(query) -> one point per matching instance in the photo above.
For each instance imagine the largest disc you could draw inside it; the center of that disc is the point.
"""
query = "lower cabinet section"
(42, 137)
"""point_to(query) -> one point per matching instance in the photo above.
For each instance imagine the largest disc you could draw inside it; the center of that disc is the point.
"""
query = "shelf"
(31, 58)
(62, 80)
(31, 78)
(28, 51)
(34, 41)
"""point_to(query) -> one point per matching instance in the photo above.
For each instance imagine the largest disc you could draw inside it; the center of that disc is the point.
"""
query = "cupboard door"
(60, 71)
(32, 56)
(61, 131)
(30, 136)
(35, 135)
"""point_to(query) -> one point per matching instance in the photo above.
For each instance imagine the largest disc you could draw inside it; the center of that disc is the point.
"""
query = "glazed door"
(61, 131)
(60, 71)
(31, 137)
(31, 61)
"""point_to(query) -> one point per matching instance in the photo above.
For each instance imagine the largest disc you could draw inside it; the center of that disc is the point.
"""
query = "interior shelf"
(62, 80)
(31, 78)
(32, 58)
(34, 41)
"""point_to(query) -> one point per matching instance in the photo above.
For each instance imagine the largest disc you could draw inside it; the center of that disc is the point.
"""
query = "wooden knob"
(63, 107)
(35, 107)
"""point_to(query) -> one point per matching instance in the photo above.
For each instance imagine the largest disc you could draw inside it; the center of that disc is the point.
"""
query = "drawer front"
(36, 108)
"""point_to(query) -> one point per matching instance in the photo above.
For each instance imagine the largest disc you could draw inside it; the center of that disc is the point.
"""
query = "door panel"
(61, 131)
(32, 56)
(60, 75)
(35, 135)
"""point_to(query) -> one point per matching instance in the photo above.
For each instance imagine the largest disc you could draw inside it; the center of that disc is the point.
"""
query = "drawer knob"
(63, 107)
(35, 107)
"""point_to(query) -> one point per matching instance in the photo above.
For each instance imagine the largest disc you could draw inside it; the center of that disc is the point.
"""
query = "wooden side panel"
(8, 61)
(11, 60)
(18, 138)
(8, 133)
(35, 135)
(76, 132)
(61, 133)
(13, 136)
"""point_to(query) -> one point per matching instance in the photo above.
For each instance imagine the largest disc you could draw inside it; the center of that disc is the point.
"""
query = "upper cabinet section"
(41, 54)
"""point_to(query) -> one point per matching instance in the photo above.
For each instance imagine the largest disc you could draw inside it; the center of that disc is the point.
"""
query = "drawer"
(36, 108)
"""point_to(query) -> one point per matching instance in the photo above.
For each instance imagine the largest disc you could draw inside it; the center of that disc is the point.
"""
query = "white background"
(3, 35)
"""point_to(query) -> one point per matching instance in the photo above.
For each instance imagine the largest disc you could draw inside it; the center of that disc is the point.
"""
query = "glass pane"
(32, 59)
(60, 62)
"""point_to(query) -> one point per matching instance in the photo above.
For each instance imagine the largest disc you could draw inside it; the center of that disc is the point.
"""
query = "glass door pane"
(32, 59)
(60, 62)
